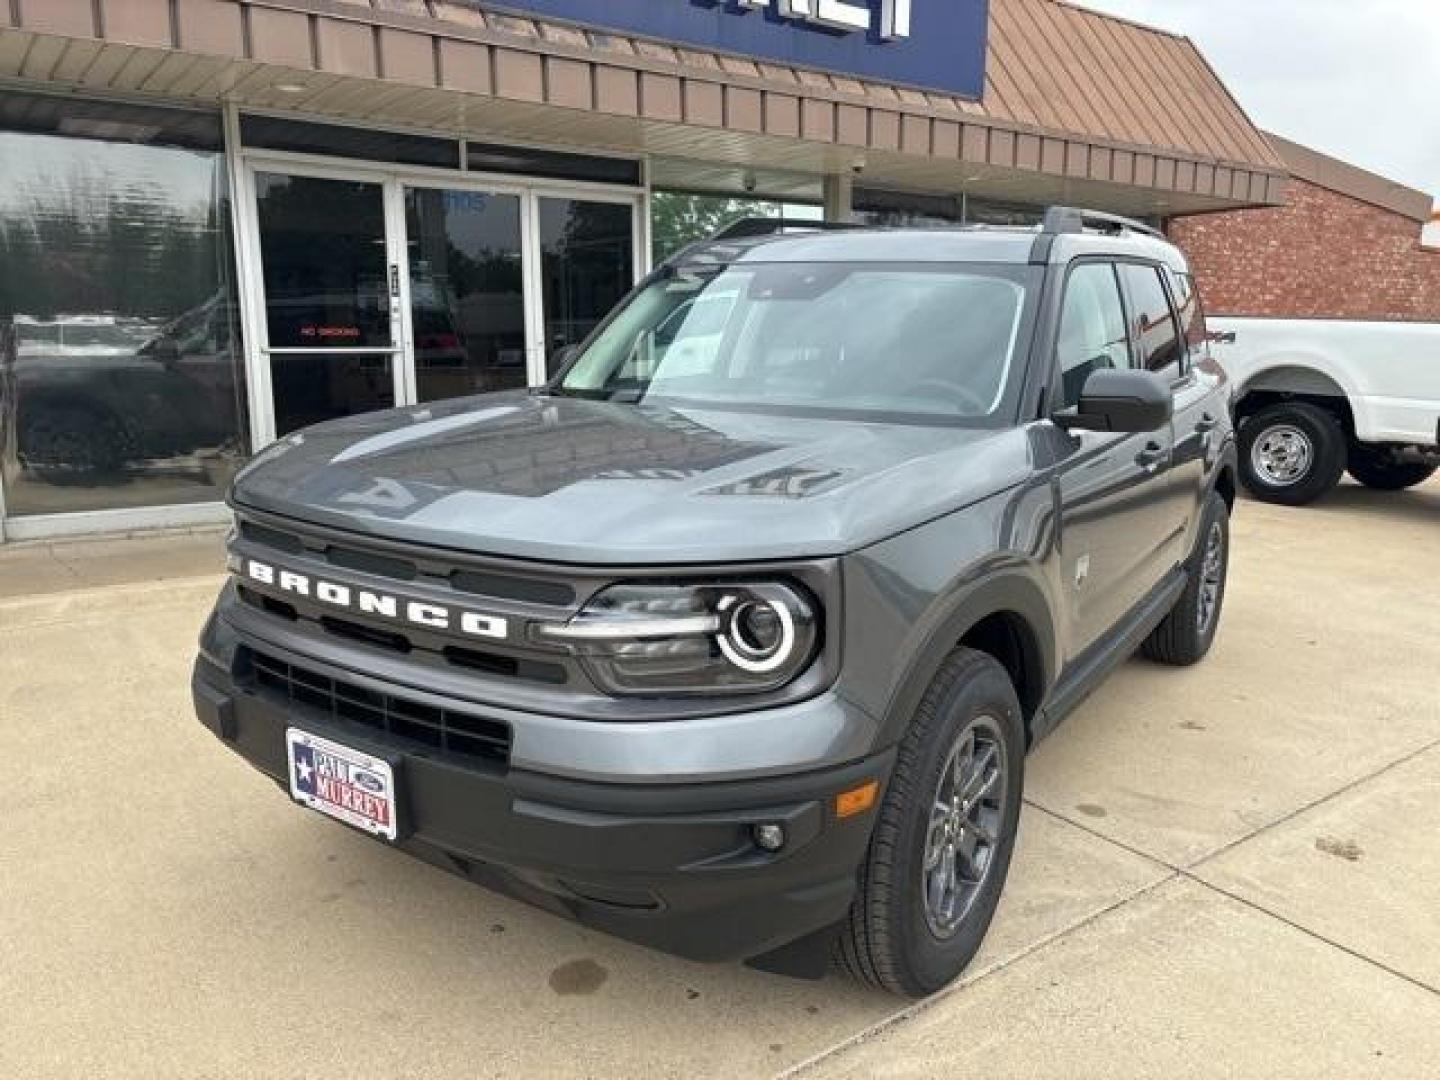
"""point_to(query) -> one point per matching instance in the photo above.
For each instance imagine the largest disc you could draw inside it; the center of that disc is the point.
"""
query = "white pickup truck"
(1315, 398)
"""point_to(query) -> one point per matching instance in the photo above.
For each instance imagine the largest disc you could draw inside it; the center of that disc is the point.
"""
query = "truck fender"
(1015, 593)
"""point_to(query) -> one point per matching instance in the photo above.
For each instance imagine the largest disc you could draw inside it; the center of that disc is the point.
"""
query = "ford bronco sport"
(732, 639)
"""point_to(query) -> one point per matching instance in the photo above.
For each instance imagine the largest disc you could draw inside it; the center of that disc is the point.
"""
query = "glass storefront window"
(467, 291)
(587, 254)
(120, 361)
(678, 218)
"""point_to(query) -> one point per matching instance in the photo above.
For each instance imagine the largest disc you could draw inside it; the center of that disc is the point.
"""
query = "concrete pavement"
(1228, 870)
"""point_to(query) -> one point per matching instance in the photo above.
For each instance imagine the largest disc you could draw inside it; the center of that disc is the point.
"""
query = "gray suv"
(732, 639)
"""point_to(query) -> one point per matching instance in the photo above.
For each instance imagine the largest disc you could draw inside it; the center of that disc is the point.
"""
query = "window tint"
(1092, 328)
(1152, 320)
(1192, 313)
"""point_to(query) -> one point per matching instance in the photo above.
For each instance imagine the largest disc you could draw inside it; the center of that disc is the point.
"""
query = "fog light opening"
(768, 837)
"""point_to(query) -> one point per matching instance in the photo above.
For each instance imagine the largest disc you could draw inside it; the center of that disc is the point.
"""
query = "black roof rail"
(747, 227)
(1071, 219)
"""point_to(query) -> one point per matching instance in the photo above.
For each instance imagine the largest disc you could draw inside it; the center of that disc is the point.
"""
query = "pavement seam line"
(1284, 819)
(909, 1012)
(1112, 841)
(1314, 804)
(1184, 873)
(1285, 920)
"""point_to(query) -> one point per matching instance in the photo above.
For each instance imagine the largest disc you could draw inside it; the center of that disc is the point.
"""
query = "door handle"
(1150, 458)
(1206, 424)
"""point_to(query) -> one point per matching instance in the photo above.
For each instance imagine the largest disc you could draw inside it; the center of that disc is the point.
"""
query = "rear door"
(1116, 528)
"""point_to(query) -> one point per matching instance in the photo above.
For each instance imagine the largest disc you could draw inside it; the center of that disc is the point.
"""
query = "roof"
(1067, 68)
(1050, 66)
(1340, 176)
(957, 244)
(1078, 106)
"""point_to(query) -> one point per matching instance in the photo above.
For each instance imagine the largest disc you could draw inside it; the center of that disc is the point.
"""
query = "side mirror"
(1121, 400)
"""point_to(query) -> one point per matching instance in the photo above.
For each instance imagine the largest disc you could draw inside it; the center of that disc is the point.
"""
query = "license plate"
(348, 784)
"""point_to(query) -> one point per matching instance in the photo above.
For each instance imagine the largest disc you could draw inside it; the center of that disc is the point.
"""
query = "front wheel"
(1377, 470)
(1292, 453)
(941, 850)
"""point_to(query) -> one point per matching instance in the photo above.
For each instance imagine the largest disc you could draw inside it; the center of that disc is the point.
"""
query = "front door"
(1115, 538)
(372, 289)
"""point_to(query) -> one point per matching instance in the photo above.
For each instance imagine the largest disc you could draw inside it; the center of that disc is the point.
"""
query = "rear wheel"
(1189, 630)
(1376, 469)
(941, 850)
(1292, 453)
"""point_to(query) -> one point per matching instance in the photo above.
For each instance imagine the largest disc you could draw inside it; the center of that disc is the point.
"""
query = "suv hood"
(578, 481)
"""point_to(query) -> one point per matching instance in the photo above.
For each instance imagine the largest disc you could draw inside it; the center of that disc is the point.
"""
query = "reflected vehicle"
(99, 394)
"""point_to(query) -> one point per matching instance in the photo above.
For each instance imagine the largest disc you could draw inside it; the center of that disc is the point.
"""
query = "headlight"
(741, 637)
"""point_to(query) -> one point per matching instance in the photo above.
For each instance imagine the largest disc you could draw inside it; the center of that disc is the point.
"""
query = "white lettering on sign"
(847, 15)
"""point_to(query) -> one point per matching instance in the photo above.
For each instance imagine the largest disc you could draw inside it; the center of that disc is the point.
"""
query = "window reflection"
(587, 263)
(119, 355)
(322, 250)
(467, 292)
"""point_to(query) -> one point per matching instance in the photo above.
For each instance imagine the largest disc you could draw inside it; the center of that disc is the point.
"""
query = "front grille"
(487, 583)
(433, 727)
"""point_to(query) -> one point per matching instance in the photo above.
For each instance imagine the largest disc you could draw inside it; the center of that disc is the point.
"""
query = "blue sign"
(926, 44)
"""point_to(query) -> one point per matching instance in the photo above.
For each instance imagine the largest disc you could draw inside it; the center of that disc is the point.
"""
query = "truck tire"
(1376, 470)
(1186, 634)
(1292, 453)
(941, 848)
(71, 443)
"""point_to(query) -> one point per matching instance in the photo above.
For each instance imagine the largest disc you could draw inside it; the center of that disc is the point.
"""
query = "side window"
(1152, 320)
(1191, 311)
(1092, 328)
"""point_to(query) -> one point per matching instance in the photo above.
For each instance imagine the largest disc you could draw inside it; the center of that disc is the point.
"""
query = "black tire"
(889, 940)
(65, 441)
(1377, 470)
(1317, 433)
(1189, 630)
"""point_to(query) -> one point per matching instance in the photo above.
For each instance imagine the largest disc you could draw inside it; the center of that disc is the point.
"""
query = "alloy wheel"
(1212, 577)
(967, 810)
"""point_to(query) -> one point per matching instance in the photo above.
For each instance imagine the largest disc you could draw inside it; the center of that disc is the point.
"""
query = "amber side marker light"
(857, 800)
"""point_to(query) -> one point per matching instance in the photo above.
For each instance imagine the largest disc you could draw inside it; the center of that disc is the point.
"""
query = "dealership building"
(222, 220)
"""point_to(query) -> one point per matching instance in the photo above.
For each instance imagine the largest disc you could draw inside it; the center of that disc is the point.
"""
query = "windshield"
(932, 341)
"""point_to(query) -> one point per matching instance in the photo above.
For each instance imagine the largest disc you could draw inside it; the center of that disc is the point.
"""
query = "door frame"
(393, 179)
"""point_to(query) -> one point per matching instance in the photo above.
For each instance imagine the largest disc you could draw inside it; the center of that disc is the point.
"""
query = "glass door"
(331, 324)
(466, 291)
(370, 289)
(587, 263)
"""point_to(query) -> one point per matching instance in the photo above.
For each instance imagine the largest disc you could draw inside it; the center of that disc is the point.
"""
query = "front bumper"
(672, 866)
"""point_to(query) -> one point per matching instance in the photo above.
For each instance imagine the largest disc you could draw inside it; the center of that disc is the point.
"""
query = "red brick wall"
(1322, 255)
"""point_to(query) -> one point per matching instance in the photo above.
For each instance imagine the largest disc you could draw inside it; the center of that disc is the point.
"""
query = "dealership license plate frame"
(358, 763)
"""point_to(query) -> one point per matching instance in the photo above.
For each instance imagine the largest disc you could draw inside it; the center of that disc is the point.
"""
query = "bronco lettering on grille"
(368, 602)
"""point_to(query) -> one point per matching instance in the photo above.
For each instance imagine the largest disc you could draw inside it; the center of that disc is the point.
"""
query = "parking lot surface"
(1226, 870)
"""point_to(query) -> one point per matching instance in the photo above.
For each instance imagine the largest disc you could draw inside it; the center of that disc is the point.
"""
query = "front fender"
(911, 599)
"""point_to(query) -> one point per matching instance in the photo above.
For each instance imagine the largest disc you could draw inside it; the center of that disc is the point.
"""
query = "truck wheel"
(946, 829)
(1376, 470)
(1292, 453)
(1189, 630)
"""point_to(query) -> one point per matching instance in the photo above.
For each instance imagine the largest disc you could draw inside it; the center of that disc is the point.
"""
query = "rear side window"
(1152, 321)
(1191, 311)
(1092, 328)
